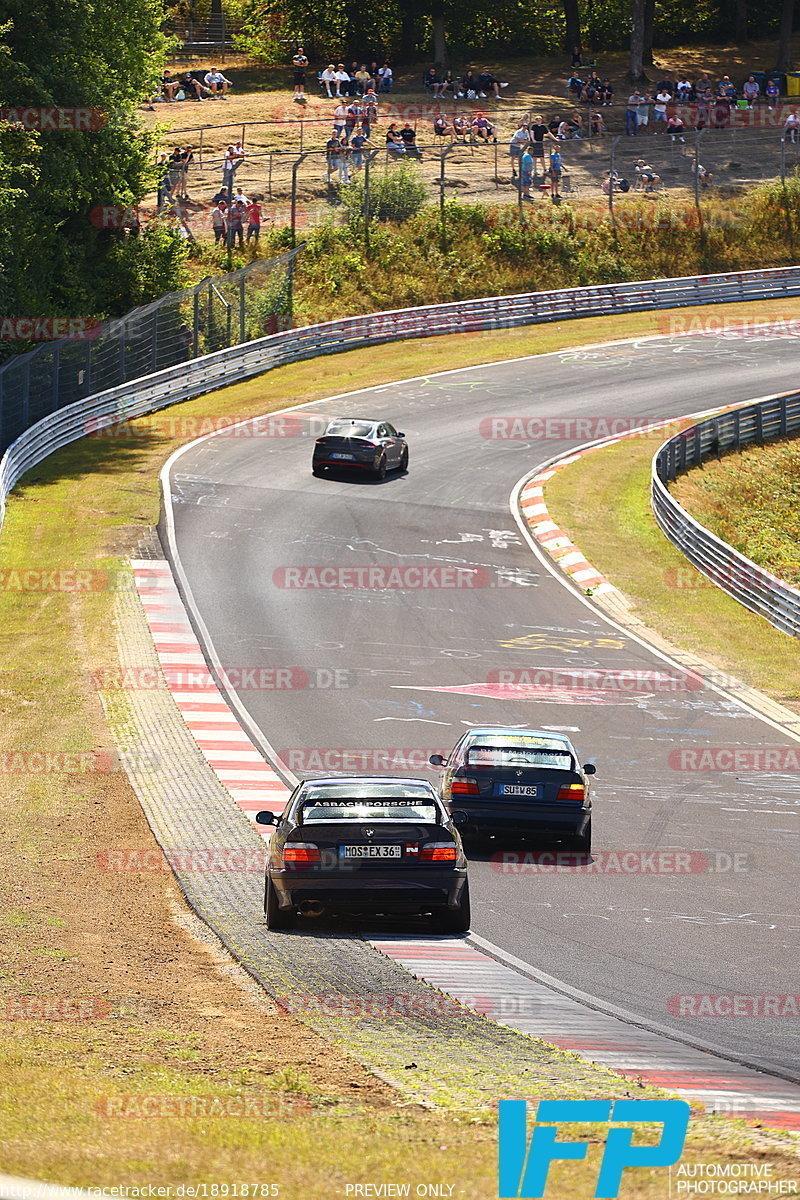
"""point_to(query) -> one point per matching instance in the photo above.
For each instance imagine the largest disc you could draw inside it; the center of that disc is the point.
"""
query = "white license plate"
(370, 852)
(519, 789)
(349, 457)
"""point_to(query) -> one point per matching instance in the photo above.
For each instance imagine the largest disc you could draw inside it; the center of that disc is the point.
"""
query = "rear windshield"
(519, 756)
(359, 429)
(366, 810)
(370, 802)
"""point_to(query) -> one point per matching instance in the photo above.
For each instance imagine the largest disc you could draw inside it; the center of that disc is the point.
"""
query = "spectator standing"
(219, 221)
(299, 68)
(662, 99)
(751, 90)
(369, 113)
(556, 171)
(526, 173)
(236, 223)
(352, 118)
(520, 140)
(253, 221)
(217, 84)
(339, 119)
(343, 162)
(539, 134)
(357, 143)
(331, 154)
(643, 112)
(632, 113)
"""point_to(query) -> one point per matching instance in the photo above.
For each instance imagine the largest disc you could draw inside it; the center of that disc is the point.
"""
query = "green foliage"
(396, 195)
(98, 54)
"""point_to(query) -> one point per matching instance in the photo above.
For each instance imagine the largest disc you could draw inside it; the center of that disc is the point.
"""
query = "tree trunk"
(408, 33)
(439, 39)
(572, 17)
(636, 70)
(649, 21)
(785, 43)
(740, 26)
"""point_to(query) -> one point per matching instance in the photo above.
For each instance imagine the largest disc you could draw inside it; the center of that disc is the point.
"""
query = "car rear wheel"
(277, 917)
(456, 920)
(380, 468)
(404, 460)
(318, 471)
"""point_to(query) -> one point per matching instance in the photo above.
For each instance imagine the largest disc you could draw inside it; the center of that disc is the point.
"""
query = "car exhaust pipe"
(312, 908)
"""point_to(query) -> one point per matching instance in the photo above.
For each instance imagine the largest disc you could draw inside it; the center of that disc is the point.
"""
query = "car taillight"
(438, 852)
(571, 791)
(301, 854)
(464, 787)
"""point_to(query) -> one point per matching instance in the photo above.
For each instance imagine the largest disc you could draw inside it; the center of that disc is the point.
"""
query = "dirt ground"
(275, 130)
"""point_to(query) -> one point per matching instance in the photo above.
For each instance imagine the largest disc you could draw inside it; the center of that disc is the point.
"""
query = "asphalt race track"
(246, 507)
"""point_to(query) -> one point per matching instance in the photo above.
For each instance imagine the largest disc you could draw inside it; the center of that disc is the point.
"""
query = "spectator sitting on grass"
(169, 86)
(646, 177)
(605, 93)
(352, 71)
(449, 84)
(772, 93)
(386, 77)
(342, 80)
(217, 83)
(570, 128)
(363, 80)
(409, 137)
(192, 87)
(591, 87)
(395, 146)
(329, 80)
(488, 85)
(469, 86)
(597, 126)
(750, 90)
(791, 126)
(431, 81)
(482, 127)
(703, 175)
(675, 126)
(684, 90)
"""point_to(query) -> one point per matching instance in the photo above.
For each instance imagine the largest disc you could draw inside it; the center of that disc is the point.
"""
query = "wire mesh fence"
(215, 314)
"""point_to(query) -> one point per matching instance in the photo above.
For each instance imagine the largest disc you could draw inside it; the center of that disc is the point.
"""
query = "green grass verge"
(72, 931)
(603, 502)
(752, 501)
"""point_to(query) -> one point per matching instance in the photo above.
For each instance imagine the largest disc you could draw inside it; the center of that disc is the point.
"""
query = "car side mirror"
(436, 760)
(265, 817)
(459, 817)
(589, 769)
(400, 434)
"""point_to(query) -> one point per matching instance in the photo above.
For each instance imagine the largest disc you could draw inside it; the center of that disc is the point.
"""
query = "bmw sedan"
(365, 846)
(521, 782)
(374, 447)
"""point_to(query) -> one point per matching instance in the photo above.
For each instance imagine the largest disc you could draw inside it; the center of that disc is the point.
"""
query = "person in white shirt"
(660, 109)
(386, 76)
(339, 119)
(328, 77)
(684, 90)
(217, 83)
(791, 126)
(342, 80)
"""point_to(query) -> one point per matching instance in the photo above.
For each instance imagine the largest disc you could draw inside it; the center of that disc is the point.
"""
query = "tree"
(785, 38)
(572, 18)
(740, 27)
(59, 263)
(649, 21)
(638, 23)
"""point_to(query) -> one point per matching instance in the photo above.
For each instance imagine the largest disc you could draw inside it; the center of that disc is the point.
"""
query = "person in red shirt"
(253, 220)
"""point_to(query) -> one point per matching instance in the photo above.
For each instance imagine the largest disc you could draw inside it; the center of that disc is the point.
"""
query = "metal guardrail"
(192, 378)
(751, 585)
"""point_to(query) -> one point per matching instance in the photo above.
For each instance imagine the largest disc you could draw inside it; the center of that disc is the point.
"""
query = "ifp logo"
(523, 1166)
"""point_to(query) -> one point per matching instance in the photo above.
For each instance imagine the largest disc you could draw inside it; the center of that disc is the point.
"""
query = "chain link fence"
(215, 314)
